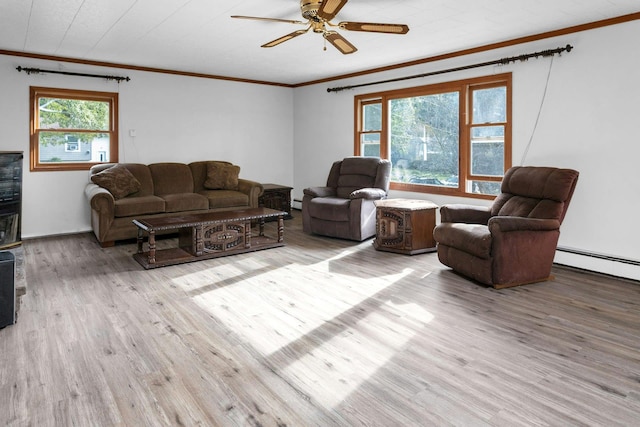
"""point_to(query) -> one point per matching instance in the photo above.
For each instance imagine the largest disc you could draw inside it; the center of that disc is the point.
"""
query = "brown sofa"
(119, 193)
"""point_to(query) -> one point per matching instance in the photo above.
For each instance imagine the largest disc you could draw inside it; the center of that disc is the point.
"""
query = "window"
(72, 129)
(452, 138)
(371, 129)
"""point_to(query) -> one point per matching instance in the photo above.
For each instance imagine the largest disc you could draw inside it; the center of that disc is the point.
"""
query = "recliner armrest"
(515, 223)
(320, 192)
(368, 193)
(468, 214)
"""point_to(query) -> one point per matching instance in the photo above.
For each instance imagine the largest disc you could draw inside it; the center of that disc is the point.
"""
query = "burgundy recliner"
(512, 242)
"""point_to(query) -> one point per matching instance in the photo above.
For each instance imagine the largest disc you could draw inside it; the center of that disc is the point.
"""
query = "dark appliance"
(10, 198)
(7, 289)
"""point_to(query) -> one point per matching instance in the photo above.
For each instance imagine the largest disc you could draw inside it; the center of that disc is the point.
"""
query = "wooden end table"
(278, 197)
(405, 226)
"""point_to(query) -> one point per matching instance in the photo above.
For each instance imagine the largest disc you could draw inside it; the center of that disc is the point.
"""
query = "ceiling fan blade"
(375, 27)
(285, 38)
(257, 18)
(339, 42)
(330, 8)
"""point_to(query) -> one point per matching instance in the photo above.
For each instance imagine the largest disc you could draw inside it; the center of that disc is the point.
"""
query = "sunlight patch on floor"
(218, 275)
(271, 309)
(341, 365)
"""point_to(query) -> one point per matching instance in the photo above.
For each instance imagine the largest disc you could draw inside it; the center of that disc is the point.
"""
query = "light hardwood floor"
(321, 332)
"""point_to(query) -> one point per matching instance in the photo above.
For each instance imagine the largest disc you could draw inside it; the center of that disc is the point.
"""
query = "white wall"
(588, 122)
(176, 118)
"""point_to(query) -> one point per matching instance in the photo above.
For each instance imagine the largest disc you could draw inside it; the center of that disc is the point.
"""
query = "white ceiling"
(199, 36)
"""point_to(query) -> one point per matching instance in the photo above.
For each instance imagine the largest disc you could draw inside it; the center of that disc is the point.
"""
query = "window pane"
(73, 147)
(370, 145)
(424, 139)
(490, 105)
(486, 133)
(371, 117)
(58, 113)
(484, 187)
(487, 150)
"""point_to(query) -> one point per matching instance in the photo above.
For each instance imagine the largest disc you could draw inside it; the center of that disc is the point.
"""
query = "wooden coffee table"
(207, 235)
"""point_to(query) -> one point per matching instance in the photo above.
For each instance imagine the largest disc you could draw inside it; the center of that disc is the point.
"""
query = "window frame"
(35, 93)
(465, 89)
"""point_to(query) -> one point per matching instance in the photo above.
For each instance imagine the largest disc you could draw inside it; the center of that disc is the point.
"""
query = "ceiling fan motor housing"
(310, 8)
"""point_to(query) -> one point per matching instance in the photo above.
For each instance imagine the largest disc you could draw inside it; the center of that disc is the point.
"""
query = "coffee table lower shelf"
(206, 236)
(173, 256)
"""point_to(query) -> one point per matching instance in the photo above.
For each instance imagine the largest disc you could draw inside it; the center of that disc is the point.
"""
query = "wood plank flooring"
(321, 332)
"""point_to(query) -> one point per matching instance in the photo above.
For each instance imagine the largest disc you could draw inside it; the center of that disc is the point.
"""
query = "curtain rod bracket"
(30, 71)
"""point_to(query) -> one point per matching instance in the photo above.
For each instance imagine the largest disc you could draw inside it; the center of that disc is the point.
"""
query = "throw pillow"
(221, 176)
(117, 180)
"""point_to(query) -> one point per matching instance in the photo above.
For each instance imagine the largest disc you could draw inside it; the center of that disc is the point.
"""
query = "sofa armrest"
(251, 188)
(369, 194)
(514, 223)
(100, 199)
(320, 192)
(103, 209)
(469, 214)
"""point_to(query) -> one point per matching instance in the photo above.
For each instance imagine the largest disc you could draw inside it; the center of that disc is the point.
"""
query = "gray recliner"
(345, 208)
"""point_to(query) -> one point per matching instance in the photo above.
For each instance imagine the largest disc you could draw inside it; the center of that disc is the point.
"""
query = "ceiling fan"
(318, 15)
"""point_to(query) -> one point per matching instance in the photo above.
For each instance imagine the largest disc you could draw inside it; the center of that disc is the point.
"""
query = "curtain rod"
(68, 73)
(503, 61)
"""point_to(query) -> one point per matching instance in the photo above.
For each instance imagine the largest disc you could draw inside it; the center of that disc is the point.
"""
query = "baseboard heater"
(599, 256)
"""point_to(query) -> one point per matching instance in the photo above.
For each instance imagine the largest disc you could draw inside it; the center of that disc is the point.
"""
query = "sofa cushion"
(199, 172)
(225, 198)
(329, 208)
(171, 178)
(184, 202)
(222, 177)
(132, 206)
(142, 174)
(117, 180)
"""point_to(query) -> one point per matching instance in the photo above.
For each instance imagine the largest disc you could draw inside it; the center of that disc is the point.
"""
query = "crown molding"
(520, 40)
